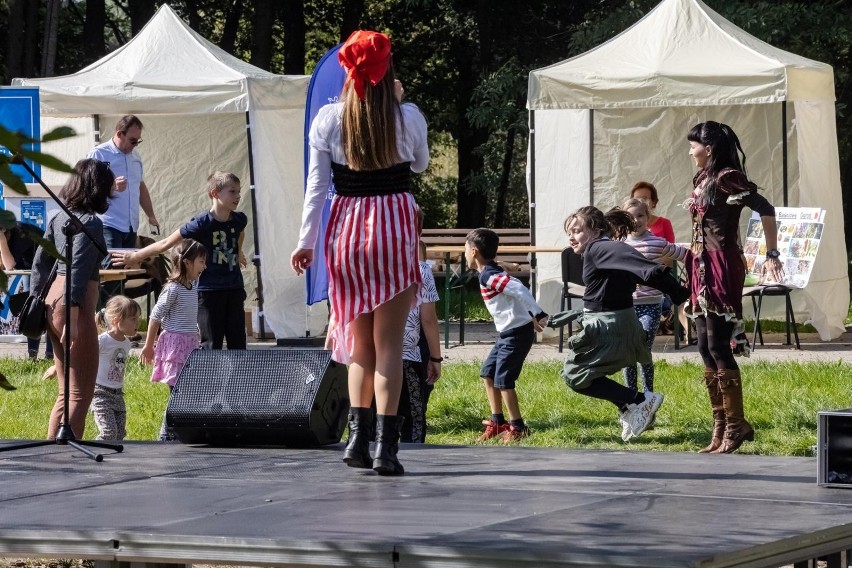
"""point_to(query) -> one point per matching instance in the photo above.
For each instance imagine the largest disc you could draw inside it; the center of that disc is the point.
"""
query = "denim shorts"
(506, 360)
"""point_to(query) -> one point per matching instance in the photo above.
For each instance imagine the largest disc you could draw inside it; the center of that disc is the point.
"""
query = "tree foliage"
(465, 63)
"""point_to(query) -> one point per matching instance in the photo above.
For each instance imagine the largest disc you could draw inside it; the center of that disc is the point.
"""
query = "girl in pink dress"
(176, 313)
(369, 143)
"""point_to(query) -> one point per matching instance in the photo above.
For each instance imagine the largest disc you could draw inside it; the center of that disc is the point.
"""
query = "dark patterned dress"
(717, 270)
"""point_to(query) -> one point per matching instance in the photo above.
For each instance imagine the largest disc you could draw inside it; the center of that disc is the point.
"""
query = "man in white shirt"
(121, 221)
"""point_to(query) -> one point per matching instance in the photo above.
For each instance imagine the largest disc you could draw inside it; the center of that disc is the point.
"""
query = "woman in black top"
(612, 337)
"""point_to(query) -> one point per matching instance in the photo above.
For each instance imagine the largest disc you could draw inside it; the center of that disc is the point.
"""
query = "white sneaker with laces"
(640, 416)
(626, 434)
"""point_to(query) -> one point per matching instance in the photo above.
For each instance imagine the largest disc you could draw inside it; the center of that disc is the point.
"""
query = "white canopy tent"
(203, 110)
(620, 113)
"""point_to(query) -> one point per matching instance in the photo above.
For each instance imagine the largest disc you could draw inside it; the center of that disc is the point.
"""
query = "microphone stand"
(65, 435)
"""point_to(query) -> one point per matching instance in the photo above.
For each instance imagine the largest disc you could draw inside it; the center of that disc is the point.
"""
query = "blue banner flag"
(19, 112)
(324, 88)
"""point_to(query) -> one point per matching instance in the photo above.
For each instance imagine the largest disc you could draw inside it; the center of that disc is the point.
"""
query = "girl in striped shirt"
(176, 313)
(647, 300)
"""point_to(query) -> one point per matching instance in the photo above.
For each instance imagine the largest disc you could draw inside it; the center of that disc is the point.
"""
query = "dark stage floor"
(456, 506)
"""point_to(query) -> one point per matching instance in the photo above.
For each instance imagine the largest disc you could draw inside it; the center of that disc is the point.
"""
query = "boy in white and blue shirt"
(517, 317)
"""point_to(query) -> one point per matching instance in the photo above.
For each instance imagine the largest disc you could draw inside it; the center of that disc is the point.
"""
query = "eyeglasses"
(133, 141)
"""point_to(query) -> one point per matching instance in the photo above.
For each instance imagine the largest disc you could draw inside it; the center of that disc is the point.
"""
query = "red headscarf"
(365, 56)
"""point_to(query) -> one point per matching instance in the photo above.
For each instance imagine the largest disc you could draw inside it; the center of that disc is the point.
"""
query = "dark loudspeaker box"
(288, 397)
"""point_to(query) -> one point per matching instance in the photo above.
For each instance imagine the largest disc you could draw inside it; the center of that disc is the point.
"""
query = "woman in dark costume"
(717, 270)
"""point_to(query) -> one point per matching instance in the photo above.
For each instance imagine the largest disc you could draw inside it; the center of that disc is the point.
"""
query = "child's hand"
(50, 373)
(539, 323)
(125, 259)
(241, 259)
(147, 355)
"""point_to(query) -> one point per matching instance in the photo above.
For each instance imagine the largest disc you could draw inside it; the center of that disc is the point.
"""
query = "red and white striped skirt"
(371, 256)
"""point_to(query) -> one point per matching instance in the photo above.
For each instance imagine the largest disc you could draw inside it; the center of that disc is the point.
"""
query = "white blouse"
(326, 147)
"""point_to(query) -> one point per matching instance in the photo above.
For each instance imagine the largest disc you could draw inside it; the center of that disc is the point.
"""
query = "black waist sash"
(395, 179)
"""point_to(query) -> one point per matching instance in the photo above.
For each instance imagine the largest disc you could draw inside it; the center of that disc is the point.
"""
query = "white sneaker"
(626, 434)
(640, 416)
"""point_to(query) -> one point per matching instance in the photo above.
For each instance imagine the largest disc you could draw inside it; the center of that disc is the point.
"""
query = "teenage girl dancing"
(612, 337)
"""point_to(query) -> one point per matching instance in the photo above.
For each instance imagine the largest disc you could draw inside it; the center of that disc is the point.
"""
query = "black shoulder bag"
(32, 319)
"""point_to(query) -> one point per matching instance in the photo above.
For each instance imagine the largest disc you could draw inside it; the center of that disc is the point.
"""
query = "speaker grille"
(242, 393)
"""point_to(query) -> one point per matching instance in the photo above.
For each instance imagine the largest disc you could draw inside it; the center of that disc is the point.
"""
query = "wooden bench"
(517, 265)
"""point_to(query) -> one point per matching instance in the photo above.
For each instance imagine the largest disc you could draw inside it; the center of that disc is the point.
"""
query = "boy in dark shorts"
(517, 317)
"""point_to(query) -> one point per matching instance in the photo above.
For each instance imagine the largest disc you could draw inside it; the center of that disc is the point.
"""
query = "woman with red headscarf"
(369, 143)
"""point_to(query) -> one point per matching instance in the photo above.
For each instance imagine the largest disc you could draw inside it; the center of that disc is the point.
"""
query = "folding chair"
(756, 293)
(573, 286)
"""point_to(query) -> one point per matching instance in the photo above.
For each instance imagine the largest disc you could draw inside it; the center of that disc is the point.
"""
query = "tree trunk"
(471, 203)
(31, 37)
(261, 38)
(93, 30)
(15, 41)
(51, 33)
(352, 12)
(503, 187)
(192, 14)
(232, 26)
(140, 12)
(294, 37)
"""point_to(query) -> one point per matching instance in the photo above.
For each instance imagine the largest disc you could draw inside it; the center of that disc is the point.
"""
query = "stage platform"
(456, 506)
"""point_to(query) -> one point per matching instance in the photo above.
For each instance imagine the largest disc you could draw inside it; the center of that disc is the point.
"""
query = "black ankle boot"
(387, 445)
(357, 451)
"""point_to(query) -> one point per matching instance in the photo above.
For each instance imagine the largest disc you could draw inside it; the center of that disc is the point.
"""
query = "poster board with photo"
(799, 233)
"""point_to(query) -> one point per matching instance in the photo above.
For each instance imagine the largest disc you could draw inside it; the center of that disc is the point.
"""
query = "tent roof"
(681, 53)
(167, 68)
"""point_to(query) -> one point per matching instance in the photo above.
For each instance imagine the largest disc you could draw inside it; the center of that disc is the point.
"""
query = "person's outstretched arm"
(134, 259)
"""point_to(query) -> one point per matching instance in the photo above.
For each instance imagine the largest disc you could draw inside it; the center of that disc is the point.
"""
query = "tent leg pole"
(591, 156)
(784, 152)
(256, 258)
(533, 279)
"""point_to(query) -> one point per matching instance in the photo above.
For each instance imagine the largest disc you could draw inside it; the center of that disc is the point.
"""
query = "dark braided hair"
(726, 154)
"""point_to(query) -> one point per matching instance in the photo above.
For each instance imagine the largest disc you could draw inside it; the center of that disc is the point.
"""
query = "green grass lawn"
(781, 401)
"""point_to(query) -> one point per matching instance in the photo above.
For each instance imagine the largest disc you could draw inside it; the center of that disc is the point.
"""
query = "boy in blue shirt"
(221, 292)
(517, 317)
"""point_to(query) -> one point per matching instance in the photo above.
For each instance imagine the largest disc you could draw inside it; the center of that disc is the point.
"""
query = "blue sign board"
(324, 88)
(19, 113)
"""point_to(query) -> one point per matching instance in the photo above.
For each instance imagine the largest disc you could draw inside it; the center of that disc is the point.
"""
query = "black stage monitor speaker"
(288, 397)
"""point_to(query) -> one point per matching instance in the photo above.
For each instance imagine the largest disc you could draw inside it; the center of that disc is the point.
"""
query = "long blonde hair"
(117, 307)
(368, 127)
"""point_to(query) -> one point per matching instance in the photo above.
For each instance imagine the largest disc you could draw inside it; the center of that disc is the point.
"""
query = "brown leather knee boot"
(712, 381)
(737, 429)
